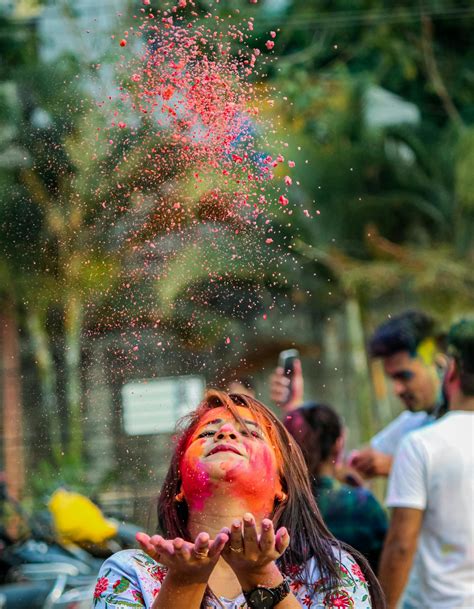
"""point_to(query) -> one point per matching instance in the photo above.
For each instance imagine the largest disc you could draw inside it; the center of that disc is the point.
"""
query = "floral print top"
(132, 579)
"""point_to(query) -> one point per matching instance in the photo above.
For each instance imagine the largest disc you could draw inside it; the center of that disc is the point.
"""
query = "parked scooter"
(77, 520)
(38, 572)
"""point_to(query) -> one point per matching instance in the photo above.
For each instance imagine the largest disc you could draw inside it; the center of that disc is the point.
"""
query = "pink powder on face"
(255, 484)
(253, 479)
(196, 482)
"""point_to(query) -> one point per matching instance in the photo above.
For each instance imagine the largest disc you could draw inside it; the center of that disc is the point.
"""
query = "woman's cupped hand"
(250, 554)
(191, 562)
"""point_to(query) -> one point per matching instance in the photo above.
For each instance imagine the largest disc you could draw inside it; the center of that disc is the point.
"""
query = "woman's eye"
(206, 434)
(254, 434)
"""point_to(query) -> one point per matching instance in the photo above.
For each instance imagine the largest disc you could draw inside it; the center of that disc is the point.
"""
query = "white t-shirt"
(388, 439)
(433, 471)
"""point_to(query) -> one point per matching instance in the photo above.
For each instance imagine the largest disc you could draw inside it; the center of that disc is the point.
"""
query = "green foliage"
(464, 170)
(48, 477)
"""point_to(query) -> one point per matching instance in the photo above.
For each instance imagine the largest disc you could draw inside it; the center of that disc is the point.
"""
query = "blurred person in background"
(431, 493)
(409, 348)
(353, 515)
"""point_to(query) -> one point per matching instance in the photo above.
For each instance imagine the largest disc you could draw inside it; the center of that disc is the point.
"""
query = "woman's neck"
(220, 511)
(327, 468)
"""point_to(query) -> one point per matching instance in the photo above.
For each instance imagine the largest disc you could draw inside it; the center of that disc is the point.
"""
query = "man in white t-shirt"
(431, 491)
(408, 347)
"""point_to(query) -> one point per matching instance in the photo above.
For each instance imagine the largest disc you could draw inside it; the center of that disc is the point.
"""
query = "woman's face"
(222, 455)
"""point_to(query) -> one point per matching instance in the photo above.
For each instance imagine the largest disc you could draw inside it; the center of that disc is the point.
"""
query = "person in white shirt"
(431, 491)
(409, 349)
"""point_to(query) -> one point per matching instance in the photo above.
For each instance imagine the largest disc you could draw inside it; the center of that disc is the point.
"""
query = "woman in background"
(351, 513)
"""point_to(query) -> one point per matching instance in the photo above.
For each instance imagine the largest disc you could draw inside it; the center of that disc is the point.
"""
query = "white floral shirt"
(131, 579)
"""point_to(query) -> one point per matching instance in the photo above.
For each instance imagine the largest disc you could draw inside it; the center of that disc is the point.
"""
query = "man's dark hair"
(402, 333)
(461, 348)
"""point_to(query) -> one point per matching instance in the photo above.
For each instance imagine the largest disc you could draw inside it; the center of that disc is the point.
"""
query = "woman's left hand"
(252, 556)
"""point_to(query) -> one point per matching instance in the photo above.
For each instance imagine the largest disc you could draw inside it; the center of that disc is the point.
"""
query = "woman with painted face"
(239, 527)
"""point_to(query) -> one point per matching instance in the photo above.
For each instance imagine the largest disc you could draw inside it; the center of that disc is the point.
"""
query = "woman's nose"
(226, 431)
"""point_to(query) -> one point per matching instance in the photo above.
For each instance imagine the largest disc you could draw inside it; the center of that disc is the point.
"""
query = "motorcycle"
(40, 572)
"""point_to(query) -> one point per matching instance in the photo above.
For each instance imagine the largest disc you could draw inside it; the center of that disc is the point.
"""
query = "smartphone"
(286, 361)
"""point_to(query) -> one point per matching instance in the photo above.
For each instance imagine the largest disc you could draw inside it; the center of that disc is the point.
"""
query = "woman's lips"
(224, 448)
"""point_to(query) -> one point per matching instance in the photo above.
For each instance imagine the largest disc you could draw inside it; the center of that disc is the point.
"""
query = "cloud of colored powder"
(194, 162)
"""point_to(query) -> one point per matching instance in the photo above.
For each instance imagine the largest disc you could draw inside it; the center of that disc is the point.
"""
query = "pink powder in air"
(190, 125)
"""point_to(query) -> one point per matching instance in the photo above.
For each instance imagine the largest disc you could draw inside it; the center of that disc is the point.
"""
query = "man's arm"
(398, 552)
(370, 462)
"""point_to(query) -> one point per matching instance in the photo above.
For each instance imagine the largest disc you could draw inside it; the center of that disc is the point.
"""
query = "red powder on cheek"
(255, 482)
(196, 482)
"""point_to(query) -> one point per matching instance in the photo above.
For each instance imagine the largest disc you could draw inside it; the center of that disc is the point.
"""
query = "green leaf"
(117, 603)
(464, 173)
(122, 586)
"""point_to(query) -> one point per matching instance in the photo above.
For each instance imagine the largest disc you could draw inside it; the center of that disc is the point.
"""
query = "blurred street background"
(375, 101)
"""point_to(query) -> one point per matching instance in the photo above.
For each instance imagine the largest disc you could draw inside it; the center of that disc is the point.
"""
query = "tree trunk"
(73, 327)
(332, 387)
(48, 380)
(13, 446)
(360, 375)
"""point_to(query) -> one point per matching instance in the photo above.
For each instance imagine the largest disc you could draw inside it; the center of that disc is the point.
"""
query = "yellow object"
(427, 350)
(78, 520)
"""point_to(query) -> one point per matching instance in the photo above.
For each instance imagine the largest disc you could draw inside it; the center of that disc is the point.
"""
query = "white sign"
(154, 406)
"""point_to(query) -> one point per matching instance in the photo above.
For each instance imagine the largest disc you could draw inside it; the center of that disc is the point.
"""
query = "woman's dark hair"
(309, 537)
(316, 428)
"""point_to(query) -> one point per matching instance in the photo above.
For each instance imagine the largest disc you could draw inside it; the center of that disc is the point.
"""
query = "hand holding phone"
(286, 384)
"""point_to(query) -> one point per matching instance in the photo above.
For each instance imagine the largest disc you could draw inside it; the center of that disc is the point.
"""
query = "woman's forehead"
(224, 414)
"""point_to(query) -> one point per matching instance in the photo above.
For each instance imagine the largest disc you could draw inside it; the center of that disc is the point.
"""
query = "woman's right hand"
(189, 562)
